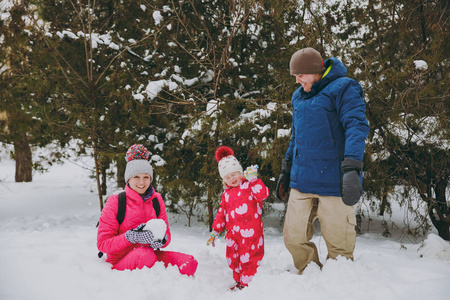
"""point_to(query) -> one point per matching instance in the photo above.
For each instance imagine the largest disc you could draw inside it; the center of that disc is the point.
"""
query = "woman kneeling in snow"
(135, 243)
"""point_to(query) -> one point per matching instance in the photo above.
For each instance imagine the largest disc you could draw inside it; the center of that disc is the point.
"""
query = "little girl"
(240, 214)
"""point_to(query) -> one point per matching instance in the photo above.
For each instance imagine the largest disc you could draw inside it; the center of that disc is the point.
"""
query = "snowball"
(158, 227)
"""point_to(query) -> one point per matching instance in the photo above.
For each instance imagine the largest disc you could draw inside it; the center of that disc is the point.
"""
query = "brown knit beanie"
(306, 61)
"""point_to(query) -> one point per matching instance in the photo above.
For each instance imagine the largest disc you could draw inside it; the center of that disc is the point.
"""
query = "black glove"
(284, 180)
(351, 182)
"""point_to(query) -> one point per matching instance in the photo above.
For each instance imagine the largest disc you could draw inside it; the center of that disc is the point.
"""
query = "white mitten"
(158, 227)
(251, 172)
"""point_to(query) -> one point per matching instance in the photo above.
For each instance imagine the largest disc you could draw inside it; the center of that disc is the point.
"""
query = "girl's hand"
(212, 237)
(251, 172)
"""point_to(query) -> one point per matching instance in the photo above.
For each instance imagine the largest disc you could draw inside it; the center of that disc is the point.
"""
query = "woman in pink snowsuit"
(240, 214)
(135, 243)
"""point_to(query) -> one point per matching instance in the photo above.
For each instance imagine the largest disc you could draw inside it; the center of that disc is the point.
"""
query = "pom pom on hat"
(137, 162)
(227, 162)
(137, 151)
(222, 152)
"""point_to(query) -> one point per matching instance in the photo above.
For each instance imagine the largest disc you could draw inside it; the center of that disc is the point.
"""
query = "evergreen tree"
(402, 61)
(23, 88)
(102, 57)
(228, 58)
(185, 77)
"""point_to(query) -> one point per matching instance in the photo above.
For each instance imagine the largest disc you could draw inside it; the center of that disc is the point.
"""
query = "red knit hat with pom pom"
(227, 162)
(137, 162)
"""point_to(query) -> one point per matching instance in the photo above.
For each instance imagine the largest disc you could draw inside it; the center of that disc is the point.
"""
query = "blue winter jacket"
(328, 124)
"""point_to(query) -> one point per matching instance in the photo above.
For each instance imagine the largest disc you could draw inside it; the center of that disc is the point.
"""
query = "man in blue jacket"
(323, 164)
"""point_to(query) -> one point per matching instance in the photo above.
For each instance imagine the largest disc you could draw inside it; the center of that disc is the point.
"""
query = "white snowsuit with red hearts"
(240, 214)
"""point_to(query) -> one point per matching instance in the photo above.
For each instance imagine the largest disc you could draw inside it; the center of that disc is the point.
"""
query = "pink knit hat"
(227, 162)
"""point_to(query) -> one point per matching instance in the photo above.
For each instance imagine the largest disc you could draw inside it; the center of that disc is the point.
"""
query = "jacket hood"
(337, 69)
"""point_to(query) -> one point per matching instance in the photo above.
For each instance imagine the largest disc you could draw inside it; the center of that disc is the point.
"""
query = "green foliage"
(406, 104)
(88, 71)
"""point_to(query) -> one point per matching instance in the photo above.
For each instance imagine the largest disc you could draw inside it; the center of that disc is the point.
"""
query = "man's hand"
(282, 188)
(351, 182)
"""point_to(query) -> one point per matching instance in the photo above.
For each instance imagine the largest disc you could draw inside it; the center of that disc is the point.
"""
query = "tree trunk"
(104, 165)
(121, 165)
(24, 161)
(439, 210)
(383, 205)
(443, 230)
(97, 177)
(210, 209)
(103, 185)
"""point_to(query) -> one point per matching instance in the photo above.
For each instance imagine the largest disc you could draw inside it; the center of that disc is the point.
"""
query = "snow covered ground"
(48, 252)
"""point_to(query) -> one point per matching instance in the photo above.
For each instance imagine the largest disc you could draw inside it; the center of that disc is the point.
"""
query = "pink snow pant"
(146, 257)
(244, 255)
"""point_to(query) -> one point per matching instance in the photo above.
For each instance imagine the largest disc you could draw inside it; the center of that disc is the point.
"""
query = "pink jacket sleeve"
(109, 239)
(220, 221)
(259, 190)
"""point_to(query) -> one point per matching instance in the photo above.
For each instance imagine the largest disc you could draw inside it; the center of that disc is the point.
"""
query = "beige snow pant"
(337, 225)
